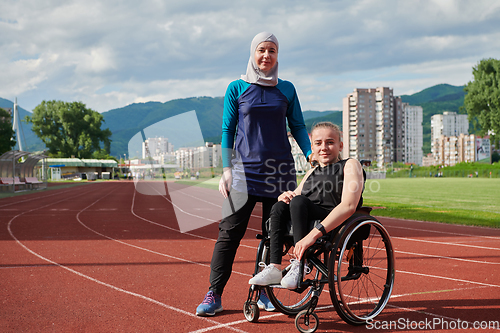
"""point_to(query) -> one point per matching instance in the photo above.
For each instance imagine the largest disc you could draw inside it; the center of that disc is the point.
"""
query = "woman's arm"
(295, 117)
(229, 123)
(351, 194)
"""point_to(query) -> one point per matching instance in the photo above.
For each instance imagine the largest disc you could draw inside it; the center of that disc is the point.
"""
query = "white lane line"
(101, 282)
(112, 286)
(226, 325)
(450, 279)
(176, 230)
(326, 307)
(457, 226)
(211, 203)
(162, 304)
(390, 226)
(445, 232)
(447, 243)
(450, 258)
(142, 248)
(35, 198)
(429, 313)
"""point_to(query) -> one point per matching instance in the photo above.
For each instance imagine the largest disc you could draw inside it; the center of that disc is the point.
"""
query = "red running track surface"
(104, 257)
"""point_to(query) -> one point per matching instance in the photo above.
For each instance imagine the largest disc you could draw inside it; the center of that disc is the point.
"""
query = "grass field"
(473, 201)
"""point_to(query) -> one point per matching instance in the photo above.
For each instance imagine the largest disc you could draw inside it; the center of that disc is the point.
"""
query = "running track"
(105, 258)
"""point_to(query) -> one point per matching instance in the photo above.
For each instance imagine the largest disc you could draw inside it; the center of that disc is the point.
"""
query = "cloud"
(108, 54)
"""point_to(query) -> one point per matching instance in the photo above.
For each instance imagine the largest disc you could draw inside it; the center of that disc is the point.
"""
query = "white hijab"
(254, 73)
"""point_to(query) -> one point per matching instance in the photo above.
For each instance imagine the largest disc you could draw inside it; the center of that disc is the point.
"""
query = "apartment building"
(413, 134)
(153, 147)
(373, 125)
(196, 158)
(450, 150)
(447, 124)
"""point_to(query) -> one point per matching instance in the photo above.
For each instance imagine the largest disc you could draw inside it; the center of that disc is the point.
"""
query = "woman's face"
(266, 56)
(326, 145)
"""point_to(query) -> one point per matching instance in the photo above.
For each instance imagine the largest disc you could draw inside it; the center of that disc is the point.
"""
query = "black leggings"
(302, 212)
(236, 212)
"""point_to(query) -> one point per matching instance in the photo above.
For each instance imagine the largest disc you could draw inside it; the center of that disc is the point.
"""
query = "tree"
(482, 100)
(69, 129)
(6, 132)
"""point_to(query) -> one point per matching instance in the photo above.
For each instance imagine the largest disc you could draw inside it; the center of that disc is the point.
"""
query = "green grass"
(472, 201)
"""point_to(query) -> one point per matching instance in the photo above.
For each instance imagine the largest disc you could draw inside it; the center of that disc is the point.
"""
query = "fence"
(471, 173)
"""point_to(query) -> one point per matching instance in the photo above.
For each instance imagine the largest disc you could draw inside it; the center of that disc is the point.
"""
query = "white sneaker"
(291, 279)
(269, 275)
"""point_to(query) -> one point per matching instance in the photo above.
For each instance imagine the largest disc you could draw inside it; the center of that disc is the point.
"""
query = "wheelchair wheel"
(251, 311)
(363, 258)
(306, 324)
(288, 301)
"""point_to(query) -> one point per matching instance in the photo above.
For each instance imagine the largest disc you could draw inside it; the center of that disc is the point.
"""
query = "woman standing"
(257, 160)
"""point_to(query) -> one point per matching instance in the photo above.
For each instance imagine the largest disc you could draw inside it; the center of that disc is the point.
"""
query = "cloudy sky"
(109, 54)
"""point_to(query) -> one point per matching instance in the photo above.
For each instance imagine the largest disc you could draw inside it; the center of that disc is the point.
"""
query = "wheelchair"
(356, 260)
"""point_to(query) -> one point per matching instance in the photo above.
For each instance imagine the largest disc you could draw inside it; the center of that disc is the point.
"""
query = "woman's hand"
(287, 196)
(225, 182)
(305, 243)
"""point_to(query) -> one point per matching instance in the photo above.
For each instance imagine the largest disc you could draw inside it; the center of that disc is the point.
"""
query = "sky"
(109, 54)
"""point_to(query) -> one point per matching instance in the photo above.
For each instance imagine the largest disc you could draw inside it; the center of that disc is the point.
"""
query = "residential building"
(373, 125)
(447, 124)
(196, 158)
(413, 134)
(450, 150)
(428, 160)
(154, 147)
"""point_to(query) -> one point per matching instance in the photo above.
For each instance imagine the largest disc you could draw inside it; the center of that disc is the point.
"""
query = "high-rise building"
(447, 124)
(413, 134)
(379, 127)
(373, 125)
(158, 146)
(450, 150)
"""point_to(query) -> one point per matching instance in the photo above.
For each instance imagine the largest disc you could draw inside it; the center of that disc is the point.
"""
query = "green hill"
(440, 92)
(127, 121)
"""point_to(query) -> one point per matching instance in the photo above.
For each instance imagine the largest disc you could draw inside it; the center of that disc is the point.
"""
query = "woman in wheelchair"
(330, 192)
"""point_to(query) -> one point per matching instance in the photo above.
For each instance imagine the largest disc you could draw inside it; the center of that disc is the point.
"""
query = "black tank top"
(324, 185)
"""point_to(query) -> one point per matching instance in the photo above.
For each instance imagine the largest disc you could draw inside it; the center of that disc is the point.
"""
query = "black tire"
(306, 327)
(251, 311)
(363, 258)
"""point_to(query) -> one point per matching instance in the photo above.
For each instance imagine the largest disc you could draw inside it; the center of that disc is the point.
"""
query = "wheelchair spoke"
(366, 269)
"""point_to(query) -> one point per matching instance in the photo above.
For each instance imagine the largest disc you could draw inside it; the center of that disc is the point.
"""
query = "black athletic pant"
(302, 212)
(236, 211)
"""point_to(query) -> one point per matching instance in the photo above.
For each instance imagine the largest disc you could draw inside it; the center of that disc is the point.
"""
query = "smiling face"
(326, 145)
(266, 56)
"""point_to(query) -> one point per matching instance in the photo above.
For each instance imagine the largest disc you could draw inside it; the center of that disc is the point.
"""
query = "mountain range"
(128, 121)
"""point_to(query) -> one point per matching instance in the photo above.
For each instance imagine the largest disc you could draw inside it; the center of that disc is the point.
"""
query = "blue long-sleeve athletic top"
(254, 136)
